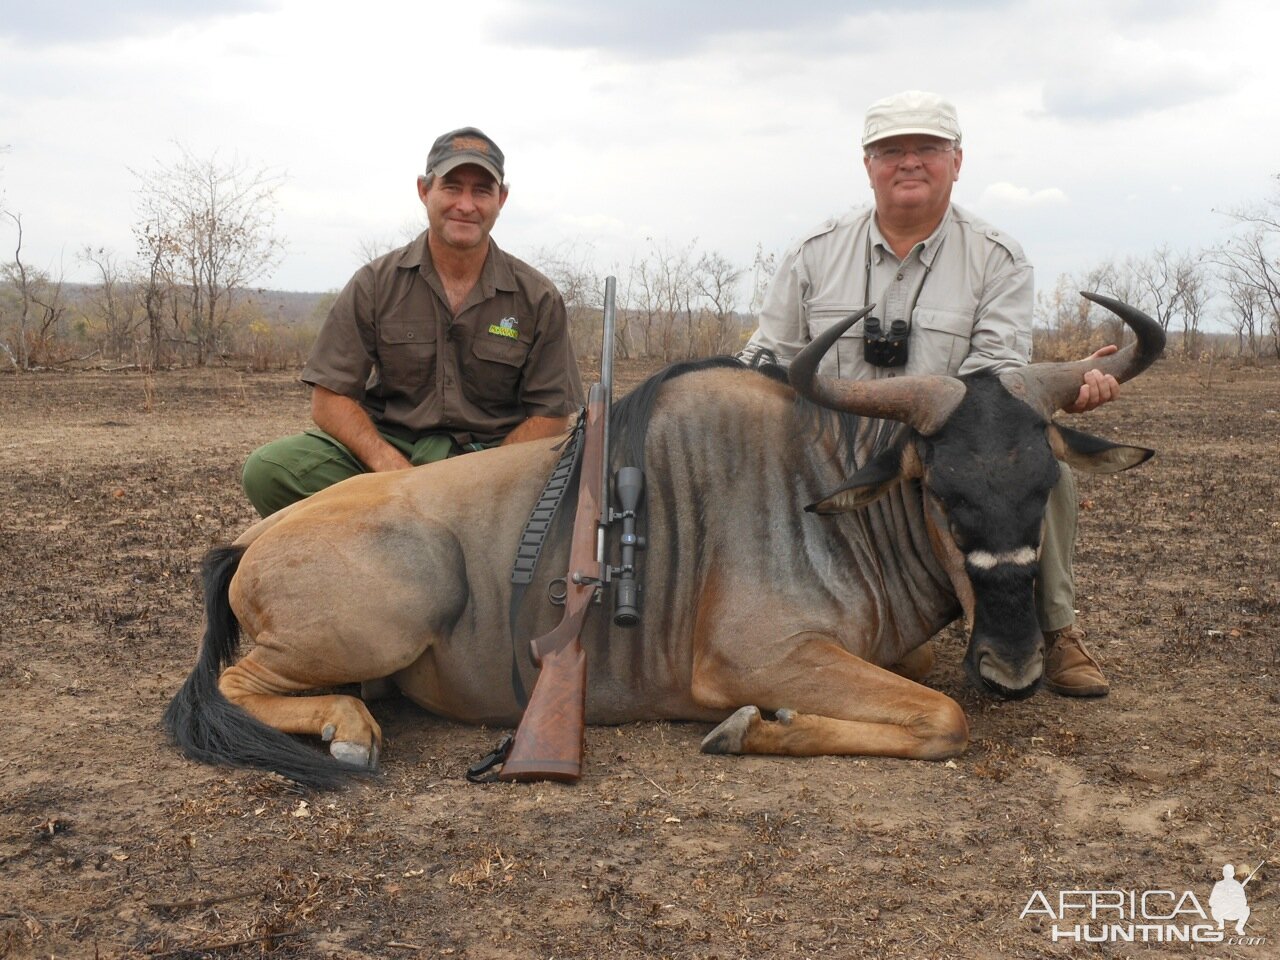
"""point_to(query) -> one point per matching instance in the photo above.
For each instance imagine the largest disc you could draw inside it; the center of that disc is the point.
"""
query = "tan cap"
(467, 145)
(912, 111)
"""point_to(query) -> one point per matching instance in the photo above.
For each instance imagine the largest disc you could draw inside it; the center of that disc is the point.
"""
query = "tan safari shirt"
(392, 344)
(968, 288)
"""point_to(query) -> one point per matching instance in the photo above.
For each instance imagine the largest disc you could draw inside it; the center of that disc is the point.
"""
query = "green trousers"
(292, 468)
(1055, 586)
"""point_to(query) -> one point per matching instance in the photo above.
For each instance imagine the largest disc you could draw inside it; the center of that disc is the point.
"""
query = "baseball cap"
(462, 146)
(912, 111)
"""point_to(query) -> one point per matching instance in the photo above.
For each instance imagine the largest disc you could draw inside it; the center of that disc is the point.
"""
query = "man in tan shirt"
(964, 290)
(444, 346)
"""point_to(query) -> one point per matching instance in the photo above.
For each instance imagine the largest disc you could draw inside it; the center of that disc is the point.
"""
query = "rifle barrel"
(606, 381)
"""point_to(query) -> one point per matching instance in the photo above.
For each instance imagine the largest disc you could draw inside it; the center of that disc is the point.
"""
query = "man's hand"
(1098, 388)
(346, 421)
(535, 428)
(383, 459)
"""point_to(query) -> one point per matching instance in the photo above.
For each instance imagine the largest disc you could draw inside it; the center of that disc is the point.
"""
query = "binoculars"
(883, 348)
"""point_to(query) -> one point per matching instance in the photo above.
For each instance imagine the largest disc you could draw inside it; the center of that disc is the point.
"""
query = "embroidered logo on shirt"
(506, 327)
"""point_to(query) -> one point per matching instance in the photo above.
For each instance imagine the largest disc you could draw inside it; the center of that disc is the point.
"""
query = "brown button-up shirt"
(392, 344)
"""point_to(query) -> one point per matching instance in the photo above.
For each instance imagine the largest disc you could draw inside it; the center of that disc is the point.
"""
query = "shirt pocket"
(940, 341)
(845, 358)
(406, 356)
(494, 369)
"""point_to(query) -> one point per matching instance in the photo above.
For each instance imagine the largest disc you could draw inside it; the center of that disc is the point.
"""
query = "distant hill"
(290, 306)
(277, 306)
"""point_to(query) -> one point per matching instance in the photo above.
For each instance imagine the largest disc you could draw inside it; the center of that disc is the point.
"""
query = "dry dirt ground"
(114, 846)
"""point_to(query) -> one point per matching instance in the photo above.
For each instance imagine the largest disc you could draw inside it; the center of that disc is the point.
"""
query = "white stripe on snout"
(983, 560)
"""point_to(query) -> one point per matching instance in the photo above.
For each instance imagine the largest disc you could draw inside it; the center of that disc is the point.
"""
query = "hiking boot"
(1071, 670)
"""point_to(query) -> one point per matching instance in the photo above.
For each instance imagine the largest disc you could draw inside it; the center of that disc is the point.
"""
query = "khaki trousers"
(1055, 586)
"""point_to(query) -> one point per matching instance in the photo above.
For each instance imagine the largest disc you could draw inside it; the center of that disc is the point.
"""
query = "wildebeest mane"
(629, 423)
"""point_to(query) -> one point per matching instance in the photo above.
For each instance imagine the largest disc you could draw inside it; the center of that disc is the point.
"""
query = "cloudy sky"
(1093, 128)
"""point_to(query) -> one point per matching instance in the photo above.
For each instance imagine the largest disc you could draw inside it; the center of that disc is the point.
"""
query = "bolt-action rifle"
(548, 742)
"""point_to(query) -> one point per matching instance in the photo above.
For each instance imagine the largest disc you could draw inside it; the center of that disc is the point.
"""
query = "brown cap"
(463, 146)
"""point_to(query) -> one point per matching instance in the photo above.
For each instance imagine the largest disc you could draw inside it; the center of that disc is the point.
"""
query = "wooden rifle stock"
(548, 742)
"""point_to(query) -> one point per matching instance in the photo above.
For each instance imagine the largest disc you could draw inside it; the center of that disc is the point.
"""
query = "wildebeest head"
(986, 451)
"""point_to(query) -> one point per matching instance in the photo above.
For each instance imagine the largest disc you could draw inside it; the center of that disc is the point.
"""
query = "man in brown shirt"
(444, 346)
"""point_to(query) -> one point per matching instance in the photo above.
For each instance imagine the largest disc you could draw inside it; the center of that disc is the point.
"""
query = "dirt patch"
(112, 845)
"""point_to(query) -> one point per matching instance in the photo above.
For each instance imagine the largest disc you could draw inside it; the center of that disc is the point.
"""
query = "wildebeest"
(803, 539)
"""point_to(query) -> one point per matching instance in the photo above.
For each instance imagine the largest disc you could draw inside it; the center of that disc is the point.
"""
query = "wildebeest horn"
(924, 403)
(1052, 386)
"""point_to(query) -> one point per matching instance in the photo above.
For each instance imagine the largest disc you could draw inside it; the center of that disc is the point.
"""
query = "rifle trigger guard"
(476, 772)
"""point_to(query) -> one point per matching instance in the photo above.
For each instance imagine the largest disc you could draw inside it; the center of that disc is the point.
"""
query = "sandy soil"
(114, 846)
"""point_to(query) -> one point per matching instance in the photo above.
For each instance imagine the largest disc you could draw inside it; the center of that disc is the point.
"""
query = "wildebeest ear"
(1090, 454)
(871, 482)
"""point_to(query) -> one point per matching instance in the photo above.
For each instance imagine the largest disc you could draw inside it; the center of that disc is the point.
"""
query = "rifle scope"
(628, 484)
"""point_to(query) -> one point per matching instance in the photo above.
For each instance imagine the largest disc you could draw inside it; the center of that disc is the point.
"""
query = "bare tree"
(1191, 285)
(210, 228)
(661, 290)
(716, 279)
(1155, 277)
(1119, 279)
(372, 247)
(763, 267)
(41, 308)
(50, 310)
(155, 284)
(113, 308)
(1069, 323)
(1252, 258)
(1248, 307)
(16, 273)
(570, 267)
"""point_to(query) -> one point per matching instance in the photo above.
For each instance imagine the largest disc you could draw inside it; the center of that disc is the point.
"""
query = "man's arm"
(348, 423)
(535, 428)
(550, 385)
(1003, 333)
(783, 327)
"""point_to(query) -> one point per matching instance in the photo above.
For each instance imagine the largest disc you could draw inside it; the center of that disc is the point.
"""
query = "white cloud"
(735, 124)
(1009, 195)
(62, 22)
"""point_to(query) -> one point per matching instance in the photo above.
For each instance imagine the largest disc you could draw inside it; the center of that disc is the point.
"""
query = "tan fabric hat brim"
(461, 160)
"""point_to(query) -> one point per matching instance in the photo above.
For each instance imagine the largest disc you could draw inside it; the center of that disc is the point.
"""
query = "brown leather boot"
(1070, 670)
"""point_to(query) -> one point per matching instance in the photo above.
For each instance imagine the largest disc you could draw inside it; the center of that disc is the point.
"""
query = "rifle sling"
(534, 536)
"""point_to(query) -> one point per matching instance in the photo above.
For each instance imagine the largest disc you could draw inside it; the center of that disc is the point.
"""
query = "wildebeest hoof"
(730, 735)
(785, 716)
(354, 754)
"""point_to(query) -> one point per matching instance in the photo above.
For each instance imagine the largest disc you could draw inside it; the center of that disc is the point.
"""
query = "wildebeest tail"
(208, 727)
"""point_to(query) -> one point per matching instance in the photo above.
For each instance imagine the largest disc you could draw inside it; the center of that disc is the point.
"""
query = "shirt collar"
(496, 274)
(928, 248)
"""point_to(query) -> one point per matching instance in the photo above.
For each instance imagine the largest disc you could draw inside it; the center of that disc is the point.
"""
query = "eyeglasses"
(927, 153)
